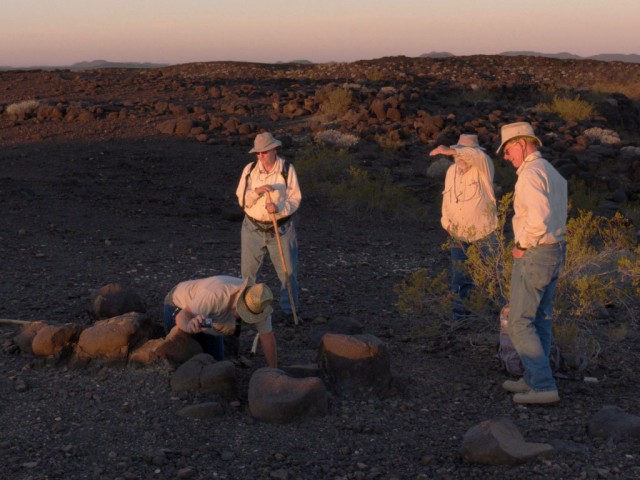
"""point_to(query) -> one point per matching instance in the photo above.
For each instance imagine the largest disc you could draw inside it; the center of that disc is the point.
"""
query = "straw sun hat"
(254, 304)
(467, 140)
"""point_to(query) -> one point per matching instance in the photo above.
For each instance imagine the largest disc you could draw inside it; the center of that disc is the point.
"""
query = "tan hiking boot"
(516, 386)
(550, 396)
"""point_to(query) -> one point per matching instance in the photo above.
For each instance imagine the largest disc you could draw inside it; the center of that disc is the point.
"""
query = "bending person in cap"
(269, 185)
(224, 300)
(539, 227)
(468, 211)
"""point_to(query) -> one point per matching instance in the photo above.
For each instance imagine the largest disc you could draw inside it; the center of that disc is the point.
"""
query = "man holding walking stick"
(269, 194)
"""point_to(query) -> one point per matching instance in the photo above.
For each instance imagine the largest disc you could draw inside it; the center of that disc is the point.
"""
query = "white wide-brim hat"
(467, 140)
(254, 304)
(264, 142)
(516, 130)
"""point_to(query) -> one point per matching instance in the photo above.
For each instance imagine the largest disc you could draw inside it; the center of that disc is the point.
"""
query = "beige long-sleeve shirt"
(540, 203)
(468, 201)
(286, 197)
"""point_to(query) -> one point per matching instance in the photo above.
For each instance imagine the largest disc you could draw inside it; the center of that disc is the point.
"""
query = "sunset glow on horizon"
(50, 32)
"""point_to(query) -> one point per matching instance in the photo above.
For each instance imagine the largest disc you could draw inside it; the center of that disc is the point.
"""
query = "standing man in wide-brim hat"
(269, 186)
(539, 227)
(468, 211)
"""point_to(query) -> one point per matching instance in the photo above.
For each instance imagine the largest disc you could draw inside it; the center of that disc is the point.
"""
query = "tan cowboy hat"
(467, 140)
(516, 130)
(254, 304)
(264, 142)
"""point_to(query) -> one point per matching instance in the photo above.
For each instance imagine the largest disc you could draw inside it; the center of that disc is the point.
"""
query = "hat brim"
(268, 147)
(247, 315)
(458, 145)
(517, 137)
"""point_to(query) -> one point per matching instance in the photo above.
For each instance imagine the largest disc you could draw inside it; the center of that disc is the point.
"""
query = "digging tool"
(284, 264)
(11, 321)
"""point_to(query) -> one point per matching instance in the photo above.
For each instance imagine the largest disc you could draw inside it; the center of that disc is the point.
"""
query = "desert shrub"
(25, 107)
(390, 141)
(335, 138)
(630, 89)
(363, 195)
(318, 166)
(336, 101)
(581, 195)
(568, 108)
(426, 297)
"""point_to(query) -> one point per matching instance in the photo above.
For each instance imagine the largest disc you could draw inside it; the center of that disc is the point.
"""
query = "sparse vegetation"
(23, 108)
(336, 101)
(568, 108)
(364, 195)
(335, 138)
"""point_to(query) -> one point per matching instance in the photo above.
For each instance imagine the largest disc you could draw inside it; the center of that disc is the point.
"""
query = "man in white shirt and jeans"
(539, 227)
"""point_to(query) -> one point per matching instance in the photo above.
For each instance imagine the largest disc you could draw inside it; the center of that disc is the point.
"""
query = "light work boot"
(532, 396)
(516, 386)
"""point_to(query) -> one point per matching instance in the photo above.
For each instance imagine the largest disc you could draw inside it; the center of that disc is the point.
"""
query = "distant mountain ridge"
(91, 65)
(605, 57)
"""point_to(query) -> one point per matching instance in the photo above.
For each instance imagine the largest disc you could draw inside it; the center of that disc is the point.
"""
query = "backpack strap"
(284, 173)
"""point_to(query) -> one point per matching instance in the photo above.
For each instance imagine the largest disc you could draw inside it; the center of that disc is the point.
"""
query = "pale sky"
(63, 32)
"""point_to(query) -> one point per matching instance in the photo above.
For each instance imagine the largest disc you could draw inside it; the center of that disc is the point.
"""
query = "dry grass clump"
(335, 138)
(335, 101)
(23, 108)
(568, 108)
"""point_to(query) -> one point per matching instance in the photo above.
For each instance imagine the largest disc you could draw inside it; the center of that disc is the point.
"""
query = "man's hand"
(263, 189)
(442, 150)
(517, 252)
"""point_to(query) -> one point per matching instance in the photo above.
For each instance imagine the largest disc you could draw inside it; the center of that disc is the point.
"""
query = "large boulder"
(24, 339)
(202, 373)
(276, 397)
(612, 422)
(499, 442)
(177, 347)
(114, 338)
(355, 363)
(114, 299)
(55, 340)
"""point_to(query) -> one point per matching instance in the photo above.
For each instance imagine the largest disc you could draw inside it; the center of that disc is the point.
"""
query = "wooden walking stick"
(284, 264)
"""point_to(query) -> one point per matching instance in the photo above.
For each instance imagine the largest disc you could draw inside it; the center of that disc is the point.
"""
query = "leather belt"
(266, 226)
(547, 244)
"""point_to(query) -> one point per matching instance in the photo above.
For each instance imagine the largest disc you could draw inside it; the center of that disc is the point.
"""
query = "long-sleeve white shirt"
(540, 203)
(286, 197)
(468, 201)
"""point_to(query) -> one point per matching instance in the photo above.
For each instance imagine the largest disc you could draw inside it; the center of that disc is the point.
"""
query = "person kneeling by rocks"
(209, 307)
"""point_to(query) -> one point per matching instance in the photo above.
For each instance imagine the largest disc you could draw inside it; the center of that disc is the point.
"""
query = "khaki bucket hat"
(264, 142)
(254, 304)
(516, 130)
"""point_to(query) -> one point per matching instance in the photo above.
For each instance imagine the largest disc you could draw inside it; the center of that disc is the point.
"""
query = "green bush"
(366, 196)
(319, 166)
(568, 108)
(336, 101)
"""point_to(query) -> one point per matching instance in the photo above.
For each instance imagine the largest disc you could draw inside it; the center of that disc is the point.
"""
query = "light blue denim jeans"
(533, 284)
(255, 245)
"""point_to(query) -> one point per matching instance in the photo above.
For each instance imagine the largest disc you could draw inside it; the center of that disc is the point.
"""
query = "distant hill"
(89, 66)
(605, 57)
(437, 54)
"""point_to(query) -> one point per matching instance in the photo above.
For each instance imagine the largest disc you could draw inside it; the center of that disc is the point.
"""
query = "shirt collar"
(530, 158)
